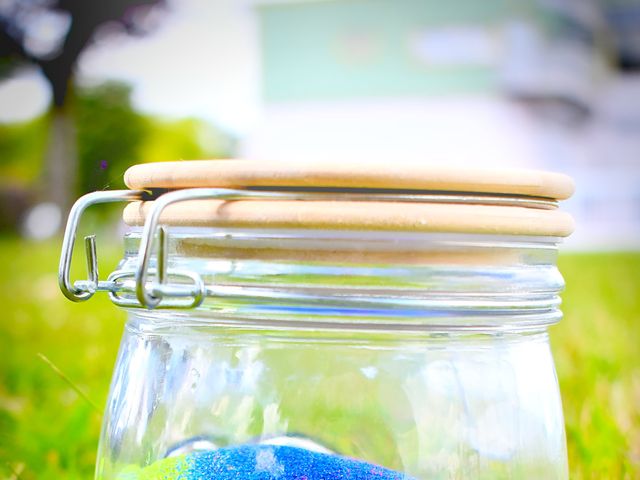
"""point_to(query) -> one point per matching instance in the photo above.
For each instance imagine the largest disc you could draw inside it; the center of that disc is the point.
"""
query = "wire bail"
(148, 294)
(81, 291)
(150, 285)
(150, 297)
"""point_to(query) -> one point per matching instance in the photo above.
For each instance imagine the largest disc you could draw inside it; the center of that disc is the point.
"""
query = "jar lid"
(341, 199)
(359, 196)
(253, 173)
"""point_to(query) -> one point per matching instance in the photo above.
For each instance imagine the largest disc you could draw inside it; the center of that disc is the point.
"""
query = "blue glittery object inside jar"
(264, 462)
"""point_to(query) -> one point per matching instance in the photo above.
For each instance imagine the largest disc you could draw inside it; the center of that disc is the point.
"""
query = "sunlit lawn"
(47, 430)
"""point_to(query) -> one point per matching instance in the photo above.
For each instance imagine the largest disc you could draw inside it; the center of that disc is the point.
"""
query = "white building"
(461, 82)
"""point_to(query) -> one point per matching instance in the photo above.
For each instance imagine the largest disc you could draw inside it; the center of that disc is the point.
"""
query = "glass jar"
(322, 354)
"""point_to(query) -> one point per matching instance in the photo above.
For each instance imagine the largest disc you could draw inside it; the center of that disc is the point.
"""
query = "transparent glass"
(425, 354)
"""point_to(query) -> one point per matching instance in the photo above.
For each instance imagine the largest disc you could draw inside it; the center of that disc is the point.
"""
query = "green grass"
(46, 428)
(49, 430)
(597, 354)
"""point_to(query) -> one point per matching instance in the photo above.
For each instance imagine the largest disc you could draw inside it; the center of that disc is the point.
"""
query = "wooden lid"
(475, 216)
(253, 173)
(488, 219)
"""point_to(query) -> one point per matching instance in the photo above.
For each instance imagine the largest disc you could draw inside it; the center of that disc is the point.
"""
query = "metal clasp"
(149, 294)
(151, 297)
(188, 295)
(83, 290)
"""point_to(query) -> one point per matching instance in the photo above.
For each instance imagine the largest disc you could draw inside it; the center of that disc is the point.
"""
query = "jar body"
(433, 406)
(467, 396)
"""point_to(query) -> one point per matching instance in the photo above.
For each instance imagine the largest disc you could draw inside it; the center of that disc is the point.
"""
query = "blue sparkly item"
(266, 462)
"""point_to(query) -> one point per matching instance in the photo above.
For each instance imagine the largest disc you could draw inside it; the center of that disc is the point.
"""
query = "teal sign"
(314, 50)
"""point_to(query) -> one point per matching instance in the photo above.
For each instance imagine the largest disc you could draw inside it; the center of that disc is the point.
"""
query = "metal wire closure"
(151, 297)
(84, 290)
(153, 285)
(192, 293)
(149, 294)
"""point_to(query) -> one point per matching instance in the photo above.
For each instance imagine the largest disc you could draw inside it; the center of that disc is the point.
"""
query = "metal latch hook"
(145, 296)
(86, 289)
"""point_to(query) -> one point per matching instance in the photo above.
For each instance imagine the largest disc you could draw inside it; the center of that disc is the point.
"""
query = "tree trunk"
(61, 159)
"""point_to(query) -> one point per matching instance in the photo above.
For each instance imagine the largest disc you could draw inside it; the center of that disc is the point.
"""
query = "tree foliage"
(72, 24)
(22, 146)
(110, 134)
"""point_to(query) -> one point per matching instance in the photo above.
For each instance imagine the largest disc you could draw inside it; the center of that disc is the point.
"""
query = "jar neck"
(365, 279)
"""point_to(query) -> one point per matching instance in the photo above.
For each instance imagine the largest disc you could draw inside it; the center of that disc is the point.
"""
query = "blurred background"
(90, 88)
